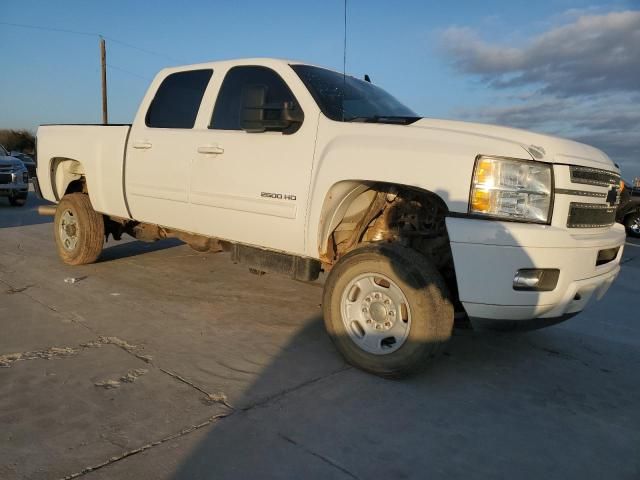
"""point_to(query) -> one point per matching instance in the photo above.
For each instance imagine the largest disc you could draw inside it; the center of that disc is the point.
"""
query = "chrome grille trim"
(593, 176)
(580, 193)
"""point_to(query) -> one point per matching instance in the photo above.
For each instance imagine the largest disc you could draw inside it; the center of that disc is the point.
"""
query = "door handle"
(215, 149)
(141, 145)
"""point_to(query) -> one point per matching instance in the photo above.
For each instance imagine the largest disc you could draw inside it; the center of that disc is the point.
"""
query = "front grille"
(593, 176)
(5, 178)
(590, 215)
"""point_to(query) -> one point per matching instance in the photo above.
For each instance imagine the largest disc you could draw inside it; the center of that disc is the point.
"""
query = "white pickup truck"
(297, 169)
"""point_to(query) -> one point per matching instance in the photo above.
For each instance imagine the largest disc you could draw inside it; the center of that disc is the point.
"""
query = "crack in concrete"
(135, 451)
(317, 455)
(277, 396)
(214, 398)
(219, 397)
(211, 420)
(12, 290)
(46, 354)
(211, 397)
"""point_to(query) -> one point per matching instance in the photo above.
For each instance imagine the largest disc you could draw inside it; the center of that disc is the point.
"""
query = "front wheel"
(78, 230)
(632, 223)
(387, 309)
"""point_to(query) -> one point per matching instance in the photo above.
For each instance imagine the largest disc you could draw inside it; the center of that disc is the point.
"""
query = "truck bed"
(101, 151)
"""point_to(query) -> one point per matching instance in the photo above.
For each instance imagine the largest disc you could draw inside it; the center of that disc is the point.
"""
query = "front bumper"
(487, 255)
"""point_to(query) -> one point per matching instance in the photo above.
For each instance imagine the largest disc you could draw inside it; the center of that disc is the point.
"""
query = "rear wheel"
(632, 223)
(387, 309)
(78, 230)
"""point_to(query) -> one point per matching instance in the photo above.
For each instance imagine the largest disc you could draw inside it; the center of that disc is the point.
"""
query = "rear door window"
(178, 99)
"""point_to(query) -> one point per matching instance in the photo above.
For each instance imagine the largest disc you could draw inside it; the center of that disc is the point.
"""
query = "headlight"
(511, 189)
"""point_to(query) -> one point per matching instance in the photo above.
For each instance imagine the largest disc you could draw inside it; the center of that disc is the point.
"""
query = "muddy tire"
(387, 310)
(18, 200)
(78, 230)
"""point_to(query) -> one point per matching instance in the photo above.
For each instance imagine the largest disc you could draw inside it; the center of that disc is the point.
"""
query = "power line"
(89, 34)
(150, 52)
(50, 29)
(115, 67)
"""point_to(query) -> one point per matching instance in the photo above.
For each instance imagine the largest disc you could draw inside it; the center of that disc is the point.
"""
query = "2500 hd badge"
(278, 196)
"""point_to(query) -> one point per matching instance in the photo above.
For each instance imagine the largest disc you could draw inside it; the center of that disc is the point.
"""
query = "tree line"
(18, 140)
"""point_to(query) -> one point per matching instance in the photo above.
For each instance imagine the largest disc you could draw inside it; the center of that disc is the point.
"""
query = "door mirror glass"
(256, 99)
(260, 116)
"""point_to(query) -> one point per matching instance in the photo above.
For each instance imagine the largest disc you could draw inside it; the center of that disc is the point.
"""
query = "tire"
(78, 230)
(632, 224)
(18, 200)
(426, 320)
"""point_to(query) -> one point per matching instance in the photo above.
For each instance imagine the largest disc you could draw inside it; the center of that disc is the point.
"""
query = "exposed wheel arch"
(67, 176)
(349, 200)
(356, 213)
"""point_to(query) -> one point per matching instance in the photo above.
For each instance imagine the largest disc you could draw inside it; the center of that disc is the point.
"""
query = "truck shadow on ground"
(134, 248)
(497, 404)
(489, 393)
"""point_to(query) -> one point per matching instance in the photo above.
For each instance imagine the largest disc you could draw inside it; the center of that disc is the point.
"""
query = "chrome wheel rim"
(68, 230)
(635, 226)
(375, 313)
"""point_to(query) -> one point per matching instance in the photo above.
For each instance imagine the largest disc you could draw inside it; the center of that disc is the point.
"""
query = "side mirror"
(259, 116)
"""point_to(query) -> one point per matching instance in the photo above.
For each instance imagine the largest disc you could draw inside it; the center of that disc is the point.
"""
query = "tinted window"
(3, 151)
(346, 98)
(178, 99)
(226, 115)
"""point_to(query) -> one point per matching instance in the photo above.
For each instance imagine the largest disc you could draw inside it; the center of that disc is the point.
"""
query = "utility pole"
(103, 63)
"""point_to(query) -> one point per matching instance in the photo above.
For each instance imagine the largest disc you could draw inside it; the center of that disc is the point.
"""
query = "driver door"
(248, 186)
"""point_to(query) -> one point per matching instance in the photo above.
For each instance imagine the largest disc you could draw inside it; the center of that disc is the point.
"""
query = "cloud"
(609, 122)
(593, 54)
(580, 80)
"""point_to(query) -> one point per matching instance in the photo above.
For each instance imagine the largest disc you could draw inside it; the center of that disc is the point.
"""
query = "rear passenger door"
(161, 148)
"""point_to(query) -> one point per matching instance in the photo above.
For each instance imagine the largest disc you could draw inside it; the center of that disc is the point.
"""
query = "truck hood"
(9, 161)
(540, 146)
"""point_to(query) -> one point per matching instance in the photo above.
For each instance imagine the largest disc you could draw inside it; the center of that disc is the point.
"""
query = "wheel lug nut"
(387, 302)
(387, 324)
(392, 313)
(365, 310)
(369, 320)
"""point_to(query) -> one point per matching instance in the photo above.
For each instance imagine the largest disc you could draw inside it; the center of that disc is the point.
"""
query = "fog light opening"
(536, 279)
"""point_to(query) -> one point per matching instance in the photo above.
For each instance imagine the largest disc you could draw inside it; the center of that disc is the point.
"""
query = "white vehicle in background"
(297, 169)
(14, 179)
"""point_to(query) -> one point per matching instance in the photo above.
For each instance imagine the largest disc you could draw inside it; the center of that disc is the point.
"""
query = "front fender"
(434, 161)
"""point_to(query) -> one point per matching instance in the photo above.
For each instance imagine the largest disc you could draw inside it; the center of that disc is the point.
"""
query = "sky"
(565, 67)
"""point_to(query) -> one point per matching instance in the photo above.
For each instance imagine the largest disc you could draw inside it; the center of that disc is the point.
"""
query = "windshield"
(3, 152)
(348, 99)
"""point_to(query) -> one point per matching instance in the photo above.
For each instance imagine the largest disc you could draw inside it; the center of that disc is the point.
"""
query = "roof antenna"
(344, 59)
